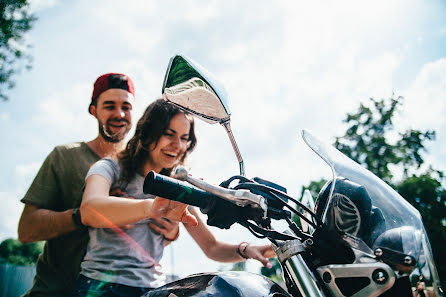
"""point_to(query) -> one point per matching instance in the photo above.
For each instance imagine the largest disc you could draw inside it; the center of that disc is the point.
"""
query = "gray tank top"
(130, 256)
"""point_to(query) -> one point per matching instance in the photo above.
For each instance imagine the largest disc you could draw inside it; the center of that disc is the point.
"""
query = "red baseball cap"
(111, 81)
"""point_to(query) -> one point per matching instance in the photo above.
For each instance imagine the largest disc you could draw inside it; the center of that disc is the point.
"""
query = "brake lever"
(238, 197)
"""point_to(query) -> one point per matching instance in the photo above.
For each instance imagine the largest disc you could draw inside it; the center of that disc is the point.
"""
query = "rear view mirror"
(192, 88)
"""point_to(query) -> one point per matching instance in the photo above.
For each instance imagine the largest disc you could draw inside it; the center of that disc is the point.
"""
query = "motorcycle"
(361, 238)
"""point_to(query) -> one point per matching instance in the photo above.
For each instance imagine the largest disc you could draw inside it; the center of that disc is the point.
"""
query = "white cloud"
(11, 205)
(37, 6)
(4, 116)
(425, 106)
(376, 75)
(25, 174)
(10, 214)
(65, 113)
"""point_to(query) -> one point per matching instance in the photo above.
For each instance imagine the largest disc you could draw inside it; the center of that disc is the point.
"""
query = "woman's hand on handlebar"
(173, 210)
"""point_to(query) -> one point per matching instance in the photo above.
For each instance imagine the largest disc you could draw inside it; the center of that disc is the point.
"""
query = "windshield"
(373, 217)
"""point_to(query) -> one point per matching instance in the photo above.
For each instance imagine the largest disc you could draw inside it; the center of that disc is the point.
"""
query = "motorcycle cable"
(272, 234)
(277, 195)
(299, 233)
(248, 184)
(295, 212)
(226, 183)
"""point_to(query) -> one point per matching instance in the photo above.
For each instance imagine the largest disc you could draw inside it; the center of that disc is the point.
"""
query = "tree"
(367, 142)
(314, 187)
(16, 21)
(426, 193)
(14, 252)
(239, 266)
(274, 273)
(367, 139)
(371, 140)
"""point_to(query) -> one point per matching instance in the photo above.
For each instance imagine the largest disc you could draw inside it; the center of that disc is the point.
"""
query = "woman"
(123, 252)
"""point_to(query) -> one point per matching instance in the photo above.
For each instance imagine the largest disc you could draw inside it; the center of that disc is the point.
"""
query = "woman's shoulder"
(107, 167)
(108, 162)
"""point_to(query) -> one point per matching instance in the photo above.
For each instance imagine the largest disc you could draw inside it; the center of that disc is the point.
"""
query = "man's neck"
(105, 148)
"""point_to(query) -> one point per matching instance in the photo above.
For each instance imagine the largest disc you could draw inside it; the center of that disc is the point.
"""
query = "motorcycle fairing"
(372, 217)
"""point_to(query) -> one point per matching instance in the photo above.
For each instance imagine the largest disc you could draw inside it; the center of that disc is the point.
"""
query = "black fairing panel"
(223, 284)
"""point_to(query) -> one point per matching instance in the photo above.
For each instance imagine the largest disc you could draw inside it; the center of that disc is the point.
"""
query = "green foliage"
(371, 140)
(426, 193)
(368, 139)
(239, 266)
(14, 252)
(14, 23)
(275, 273)
(367, 142)
(314, 187)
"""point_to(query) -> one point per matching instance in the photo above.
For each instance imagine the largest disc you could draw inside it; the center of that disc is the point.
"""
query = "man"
(51, 210)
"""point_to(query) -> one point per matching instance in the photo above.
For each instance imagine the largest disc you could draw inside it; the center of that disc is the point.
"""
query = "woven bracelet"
(243, 252)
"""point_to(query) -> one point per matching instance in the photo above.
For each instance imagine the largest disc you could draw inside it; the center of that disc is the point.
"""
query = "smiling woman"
(118, 254)
(171, 145)
(163, 133)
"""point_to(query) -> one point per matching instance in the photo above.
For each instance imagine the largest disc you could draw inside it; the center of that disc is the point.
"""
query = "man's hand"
(172, 210)
(169, 229)
(118, 192)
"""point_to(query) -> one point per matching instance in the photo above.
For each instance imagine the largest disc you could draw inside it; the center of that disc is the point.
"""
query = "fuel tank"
(220, 284)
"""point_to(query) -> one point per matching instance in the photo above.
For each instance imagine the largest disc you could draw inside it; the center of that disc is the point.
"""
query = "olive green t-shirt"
(58, 186)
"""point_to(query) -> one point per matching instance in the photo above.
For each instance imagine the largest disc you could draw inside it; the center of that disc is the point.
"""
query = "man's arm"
(38, 224)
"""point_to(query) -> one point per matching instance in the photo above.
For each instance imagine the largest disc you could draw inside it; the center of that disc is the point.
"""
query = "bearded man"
(51, 210)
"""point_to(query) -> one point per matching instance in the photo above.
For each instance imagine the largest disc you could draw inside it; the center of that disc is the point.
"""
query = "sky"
(286, 65)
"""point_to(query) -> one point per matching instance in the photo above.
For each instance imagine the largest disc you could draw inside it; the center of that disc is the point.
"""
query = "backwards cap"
(111, 81)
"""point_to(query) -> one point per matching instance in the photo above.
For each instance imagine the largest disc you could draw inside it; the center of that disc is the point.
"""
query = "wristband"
(76, 216)
(242, 253)
(173, 239)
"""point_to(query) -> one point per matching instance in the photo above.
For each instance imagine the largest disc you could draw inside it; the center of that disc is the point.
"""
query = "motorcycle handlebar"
(221, 212)
(173, 189)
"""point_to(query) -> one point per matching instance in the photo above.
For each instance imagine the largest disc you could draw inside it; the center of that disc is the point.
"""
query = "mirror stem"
(227, 127)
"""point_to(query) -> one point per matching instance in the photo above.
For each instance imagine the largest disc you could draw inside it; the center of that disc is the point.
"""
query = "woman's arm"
(100, 210)
(225, 252)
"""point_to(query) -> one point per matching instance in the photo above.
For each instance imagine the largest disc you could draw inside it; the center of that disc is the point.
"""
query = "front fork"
(302, 279)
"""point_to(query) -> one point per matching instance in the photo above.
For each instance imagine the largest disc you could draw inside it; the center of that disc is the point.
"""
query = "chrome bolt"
(379, 276)
(407, 260)
(308, 242)
(378, 252)
(326, 277)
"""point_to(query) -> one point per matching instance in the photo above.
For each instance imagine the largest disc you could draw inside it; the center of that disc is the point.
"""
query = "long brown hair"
(150, 127)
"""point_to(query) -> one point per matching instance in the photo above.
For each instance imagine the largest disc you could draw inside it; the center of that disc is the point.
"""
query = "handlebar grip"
(173, 189)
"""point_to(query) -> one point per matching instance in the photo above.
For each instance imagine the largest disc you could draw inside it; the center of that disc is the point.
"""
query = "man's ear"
(92, 109)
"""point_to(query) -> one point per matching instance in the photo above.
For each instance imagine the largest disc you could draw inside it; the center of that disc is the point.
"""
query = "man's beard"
(107, 134)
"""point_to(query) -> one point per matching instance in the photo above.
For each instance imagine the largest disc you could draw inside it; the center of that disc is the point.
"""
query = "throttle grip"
(173, 189)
